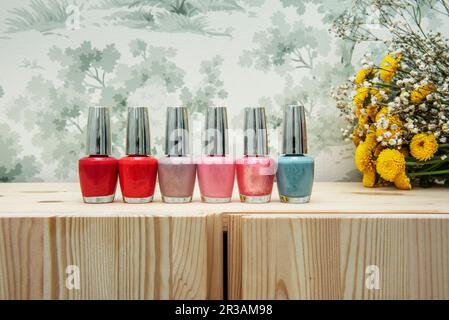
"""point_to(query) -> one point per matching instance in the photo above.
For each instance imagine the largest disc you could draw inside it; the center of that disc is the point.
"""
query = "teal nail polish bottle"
(295, 168)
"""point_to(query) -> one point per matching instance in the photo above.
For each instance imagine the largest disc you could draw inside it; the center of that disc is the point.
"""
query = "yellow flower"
(421, 93)
(382, 112)
(363, 74)
(369, 178)
(378, 149)
(371, 111)
(394, 123)
(376, 93)
(355, 136)
(363, 158)
(371, 141)
(389, 66)
(402, 182)
(395, 120)
(389, 164)
(363, 119)
(423, 146)
(360, 96)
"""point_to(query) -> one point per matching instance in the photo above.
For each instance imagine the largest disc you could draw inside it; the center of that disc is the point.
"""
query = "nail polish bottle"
(98, 171)
(255, 171)
(177, 170)
(138, 170)
(216, 170)
(295, 168)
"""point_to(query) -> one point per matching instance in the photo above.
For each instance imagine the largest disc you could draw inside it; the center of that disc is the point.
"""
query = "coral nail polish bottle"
(177, 170)
(295, 168)
(98, 171)
(138, 170)
(216, 170)
(255, 171)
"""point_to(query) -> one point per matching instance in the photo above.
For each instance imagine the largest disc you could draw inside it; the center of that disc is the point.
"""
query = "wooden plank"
(21, 258)
(326, 257)
(157, 251)
(215, 256)
(65, 200)
(127, 257)
(234, 257)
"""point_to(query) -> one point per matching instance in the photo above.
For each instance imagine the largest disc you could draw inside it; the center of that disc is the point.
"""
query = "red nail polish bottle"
(98, 171)
(138, 170)
(256, 170)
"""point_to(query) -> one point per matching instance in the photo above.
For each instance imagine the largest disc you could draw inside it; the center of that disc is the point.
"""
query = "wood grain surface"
(64, 199)
(326, 257)
(319, 250)
(118, 258)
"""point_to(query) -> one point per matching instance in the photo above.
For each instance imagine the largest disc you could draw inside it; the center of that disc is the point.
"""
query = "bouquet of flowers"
(398, 111)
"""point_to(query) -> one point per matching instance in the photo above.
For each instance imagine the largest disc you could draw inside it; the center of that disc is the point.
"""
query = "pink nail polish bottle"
(256, 170)
(177, 170)
(216, 170)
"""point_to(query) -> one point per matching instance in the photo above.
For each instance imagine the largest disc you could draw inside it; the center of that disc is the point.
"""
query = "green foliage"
(90, 76)
(192, 7)
(39, 15)
(300, 6)
(294, 49)
(182, 7)
(172, 15)
(85, 66)
(286, 47)
(13, 167)
(108, 4)
(134, 18)
(138, 48)
(153, 65)
(179, 23)
(210, 90)
(329, 9)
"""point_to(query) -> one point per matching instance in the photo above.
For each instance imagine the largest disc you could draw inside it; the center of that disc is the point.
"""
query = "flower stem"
(415, 174)
(412, 163)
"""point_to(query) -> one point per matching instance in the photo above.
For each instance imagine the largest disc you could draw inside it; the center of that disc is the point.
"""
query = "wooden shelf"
(59, 199)
(275, 250)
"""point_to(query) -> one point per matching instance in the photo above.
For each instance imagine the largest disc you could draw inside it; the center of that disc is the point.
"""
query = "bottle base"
(215, 200)
(176, 199)
(287, 199)
(255, 199)
(100, 199)
(138, 200)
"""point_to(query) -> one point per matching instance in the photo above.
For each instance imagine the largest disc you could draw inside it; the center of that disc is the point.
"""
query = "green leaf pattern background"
(158, 53)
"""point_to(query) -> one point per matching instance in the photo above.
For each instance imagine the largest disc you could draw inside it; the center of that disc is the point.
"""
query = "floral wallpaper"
(58, 57)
